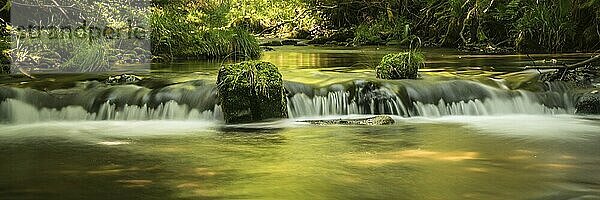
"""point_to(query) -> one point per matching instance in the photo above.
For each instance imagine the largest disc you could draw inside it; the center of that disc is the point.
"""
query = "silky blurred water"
(506, 157)
(174, 151)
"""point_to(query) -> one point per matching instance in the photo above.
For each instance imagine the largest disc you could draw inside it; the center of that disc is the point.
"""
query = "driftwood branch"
(568, 67)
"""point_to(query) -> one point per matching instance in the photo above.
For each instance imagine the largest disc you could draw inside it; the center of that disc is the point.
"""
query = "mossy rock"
(251, 91)
(403, 65)
(589, 104)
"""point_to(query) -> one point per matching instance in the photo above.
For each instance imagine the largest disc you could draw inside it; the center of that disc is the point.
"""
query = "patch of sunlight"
(521, 154)
(188, 186)
(477, 169)
(113, 143)
(419, 155)
(552, 166)
(112, 169)
(201, 171)
(135, 183)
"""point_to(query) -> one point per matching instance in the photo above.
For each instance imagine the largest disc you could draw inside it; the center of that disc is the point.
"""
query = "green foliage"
(547, 26)
(193, 30)
(88, 57)
(528, 25)
(251, 91)
(382, 30)
(403, 65)
(256, 15)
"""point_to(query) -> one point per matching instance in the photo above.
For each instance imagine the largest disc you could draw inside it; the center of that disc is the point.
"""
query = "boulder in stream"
(403, 65)
(589, 103)
(251, 91)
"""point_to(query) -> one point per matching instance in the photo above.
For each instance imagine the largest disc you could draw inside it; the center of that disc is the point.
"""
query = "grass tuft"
(403, 65)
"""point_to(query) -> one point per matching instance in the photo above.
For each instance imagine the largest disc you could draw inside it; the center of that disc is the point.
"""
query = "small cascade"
(196, 100)
(16, 111)
(418, 98)
(95, 101)
(341, 102)
(516, 105)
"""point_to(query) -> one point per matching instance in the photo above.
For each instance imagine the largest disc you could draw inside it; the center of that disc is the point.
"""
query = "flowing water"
(471, 127)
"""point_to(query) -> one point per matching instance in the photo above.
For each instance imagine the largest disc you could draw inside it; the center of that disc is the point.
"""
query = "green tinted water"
(454, 157)
(508, 157)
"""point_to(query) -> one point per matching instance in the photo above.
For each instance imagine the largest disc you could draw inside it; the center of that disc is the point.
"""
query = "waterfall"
(17, 111)
(419, 98)
(93, 101)
(196, 100)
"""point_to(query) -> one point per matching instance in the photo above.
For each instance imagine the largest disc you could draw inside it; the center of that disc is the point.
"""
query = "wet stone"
(589, 103)
(371, 121)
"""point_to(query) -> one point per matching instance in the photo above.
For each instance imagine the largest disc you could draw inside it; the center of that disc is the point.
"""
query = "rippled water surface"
(472, 127)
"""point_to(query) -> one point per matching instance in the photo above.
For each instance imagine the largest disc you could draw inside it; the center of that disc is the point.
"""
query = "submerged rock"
(403, 65)
(251, 91)
(371, 121)
(589, 103)
(123, 79)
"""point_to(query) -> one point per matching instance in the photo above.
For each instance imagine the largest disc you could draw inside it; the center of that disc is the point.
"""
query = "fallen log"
(565, 66)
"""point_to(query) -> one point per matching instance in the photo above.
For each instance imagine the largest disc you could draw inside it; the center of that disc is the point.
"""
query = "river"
(471, 127)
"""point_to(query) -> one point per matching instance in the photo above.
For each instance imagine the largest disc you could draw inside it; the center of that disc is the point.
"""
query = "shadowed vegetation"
(523, 25)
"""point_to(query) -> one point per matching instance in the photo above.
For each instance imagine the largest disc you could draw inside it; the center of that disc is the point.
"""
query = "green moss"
(251, 91)
(403, 65)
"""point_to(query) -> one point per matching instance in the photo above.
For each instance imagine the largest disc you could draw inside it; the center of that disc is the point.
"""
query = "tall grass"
(176, 34)
(547, 26)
